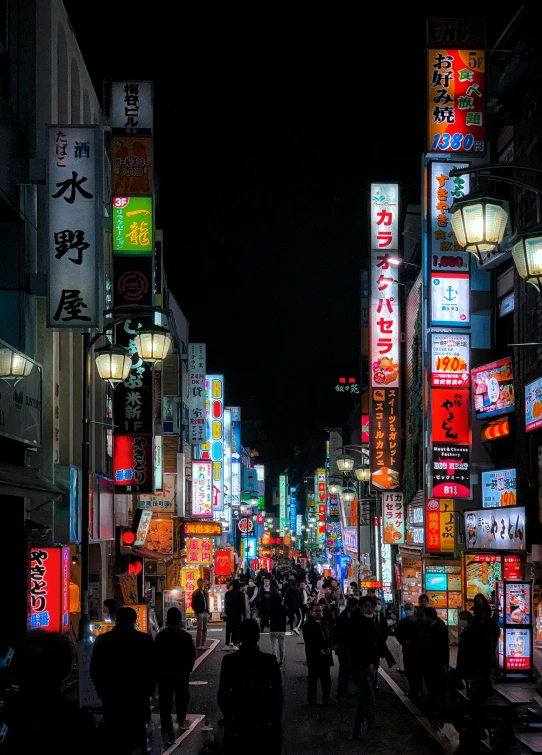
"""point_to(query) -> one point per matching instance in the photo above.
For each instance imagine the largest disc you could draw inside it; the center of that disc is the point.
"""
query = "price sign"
(450, 261)
(450, 360)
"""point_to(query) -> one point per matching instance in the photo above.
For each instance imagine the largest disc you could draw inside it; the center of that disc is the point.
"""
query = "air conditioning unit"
(155, 569)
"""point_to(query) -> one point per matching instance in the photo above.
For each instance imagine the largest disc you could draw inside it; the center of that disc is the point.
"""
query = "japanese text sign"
(439, 525)
(131, 166)
(202, 488)
(457, 101)
(133, 463)
(450, 415)
(385, 217)
(496, 529)
(203, 528)
(213, 448)
(283, 486)
(142, 611)
(131, 107)
(164, 502)
(199, 551)
(499, 488)
(450, 360)
(493, 388)
(133, 400)
(393, 514)
(533, 405)
(50, 589)
(75, 232)
(444, 248)
(196, 393)
(384, 319)
(385, 446)
(132, 225)
(518, 648)
(451, 470)
(143, 528)
(189, 583)
(450, 299)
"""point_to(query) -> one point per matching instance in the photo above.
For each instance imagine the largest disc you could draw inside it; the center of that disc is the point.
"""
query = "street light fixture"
(153, 344)
(334, 488)
(363, 474)
(14, 366)
(254, 500)
(527, 254)
(113, 363)
(479, 222)
(349, 494)
(345, 463)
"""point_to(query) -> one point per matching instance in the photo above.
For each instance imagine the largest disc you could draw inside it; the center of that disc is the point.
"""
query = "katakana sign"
(393, 515)
(132, 225)
(451, 470)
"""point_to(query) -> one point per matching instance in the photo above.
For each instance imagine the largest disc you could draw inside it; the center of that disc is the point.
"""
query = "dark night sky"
(268, 132)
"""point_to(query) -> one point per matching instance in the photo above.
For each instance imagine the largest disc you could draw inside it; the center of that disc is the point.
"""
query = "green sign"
(132, 225)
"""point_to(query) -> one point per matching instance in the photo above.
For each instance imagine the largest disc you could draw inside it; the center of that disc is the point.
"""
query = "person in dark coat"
(174, 656)
(267, 591)
(251, 677)
(125, 694)
(435, 657)
(476, 654)
(234, 608)
(341, 636)
(364, 646)
(200, 606)
(292, 602)
(318, 651)
(406, 637)
(383, 631)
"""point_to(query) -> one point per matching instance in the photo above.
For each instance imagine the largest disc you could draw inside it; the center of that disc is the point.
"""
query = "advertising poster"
(202, 487)
(131, 166)
(496, 529)
(160, 536)
(128, 586)
(385, 453)
(450, 299)
(132, 225)
(533, 405)
(518, 603)
(451, 470)
(450, 415)
(493, 388)
(513, 567)
(456, 101)
(439, 525)
(482, 570)
(499, 488)
(446, 254)
(450, 360)
(163, 502)
(518, 648)
(394, 518)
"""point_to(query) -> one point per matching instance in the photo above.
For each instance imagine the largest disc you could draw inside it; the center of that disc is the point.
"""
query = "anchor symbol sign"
(451, 294)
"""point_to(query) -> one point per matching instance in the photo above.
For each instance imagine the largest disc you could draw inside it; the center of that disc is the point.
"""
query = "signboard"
(131, 166)
(446, 253)
(189, 583)
(163, 502)
(456, 101)
(202, 488)
(131, 107)
(213, 529)
(533, 405)
(196, 393)
(450, 303)
(133, 400)
(385, 452)
(282, 504)
(75, 227)
(132, 225)
(142, 623)
(133, 281)
(499, 488)
(235, 456)
(439, 525)
(160, 536)
(502, 529)
(214, 447)
(450, 360)
(518, 648)
(133, 463)
(143, 529)
(482, 570)
(50, 589)
(450, 415)
(199, 551)
(384, 317)
(451, 470)
(225, 515)
(394, 518)
(493, 388)
(512, 567)
(224, 563)
(385, 217)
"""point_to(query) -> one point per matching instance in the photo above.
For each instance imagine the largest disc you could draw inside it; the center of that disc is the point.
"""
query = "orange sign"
(160, 536)
(450, 415)
(199, 550)
(203, 528)
(439, 525)
(131, 166)
(100, 627)
(189, 582)
(142, 624)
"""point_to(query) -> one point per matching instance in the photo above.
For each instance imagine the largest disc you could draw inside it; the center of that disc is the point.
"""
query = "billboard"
(132, 225)
(196, 393)
(439, 525)
(493, 388)
(450, 360)
(450, 299)
(450, 415)
(496, 529)
(451, 470)
(499, 488)
(533, 405)
(202, 488)
(131, 107)
(50, 589)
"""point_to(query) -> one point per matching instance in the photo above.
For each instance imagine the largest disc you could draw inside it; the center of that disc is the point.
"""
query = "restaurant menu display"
(443, 588)
(493, 388)
(518, 649)
(481, 572)
(515, 620)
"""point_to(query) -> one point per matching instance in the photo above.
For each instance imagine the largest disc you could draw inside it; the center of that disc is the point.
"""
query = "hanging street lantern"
(527, 254)
(113, 363)
(363, 474)
(14, 366)
(153, 344)
(345, 463)
(479, 222)
(349, 494)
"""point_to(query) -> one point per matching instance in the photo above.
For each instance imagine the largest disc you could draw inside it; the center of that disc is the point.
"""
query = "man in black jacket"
(292, 603)
(318, 651)
(234, 608)
(174, 655)
(435, 656)
(365, 644)
(341, 639)
(125, 696)
(200, 606)
(252, 677)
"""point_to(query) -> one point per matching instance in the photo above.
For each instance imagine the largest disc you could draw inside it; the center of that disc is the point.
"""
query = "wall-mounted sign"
(345, 385)
(450, 360)
(450, 303)
(394, 518)
(533, 405)
(160, 536)
(131, 166)
(385, 217)
(213, 448)
(132, 225)
(143, 528)
(456, 101)
(439, 525)
(199, 551)
(499, 488)
(451, 470)
(385, 451)
(202, 488)
(282, 503)
(133, 400)
(164, 502)
(74, 235)
(446, 254)
(213, 529)
(496, 529)
(493, 388)
(189, 583)
(133, 281)
(450, 415)
(196, 393)
(384, 318)
(133, 463)
(224, 563)
(50, 589)
(131, 107)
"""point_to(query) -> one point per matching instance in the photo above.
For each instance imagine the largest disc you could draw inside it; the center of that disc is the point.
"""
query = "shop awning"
(153, 555)
(26, 483)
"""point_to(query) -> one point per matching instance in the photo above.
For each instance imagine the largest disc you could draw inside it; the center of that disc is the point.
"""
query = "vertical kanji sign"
(196, 393)
(49, 588)
(75, 233)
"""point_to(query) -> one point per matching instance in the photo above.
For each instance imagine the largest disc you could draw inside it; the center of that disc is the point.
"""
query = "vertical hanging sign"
(213, 448)
(196, 389)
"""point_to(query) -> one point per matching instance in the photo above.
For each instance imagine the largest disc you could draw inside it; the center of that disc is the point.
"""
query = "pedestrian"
(252, 592)
(341, 639)
(267, 590)
(174, 656)
(234, 607)
(246, 614)
(406, 637)
(109, 610)
(435, 655)
(337, 597)
(485, 615)
(125, 696)
(383, 631)
(292, 603)
(364, 655)
(423, 601)
(353, 588)
(305, 600)
(478, 653)
(318, 652)
(200, 606)
(278, 615)
(252, 677)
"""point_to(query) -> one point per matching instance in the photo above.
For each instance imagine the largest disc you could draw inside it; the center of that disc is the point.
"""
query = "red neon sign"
(50, 589)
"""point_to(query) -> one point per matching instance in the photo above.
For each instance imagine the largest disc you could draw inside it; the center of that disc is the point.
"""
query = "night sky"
(269, 130)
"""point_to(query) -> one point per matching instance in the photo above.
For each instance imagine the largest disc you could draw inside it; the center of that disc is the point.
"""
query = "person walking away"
(485, 614)
(318, 651)
(252, 676)
(337, 597)
(252, 592)
(435, 655)
(292, 603)
(174, 656)
(267, 591)
(305, 598)
(278, 616)
(341, 637)
(364, 647)
(383, 631)
(405, 634)
(481, 659)
(125, 697)
(246, 613)
(200, 606)
(234, 607)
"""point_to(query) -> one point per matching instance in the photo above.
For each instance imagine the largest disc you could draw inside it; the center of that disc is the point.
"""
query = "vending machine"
(515, 617)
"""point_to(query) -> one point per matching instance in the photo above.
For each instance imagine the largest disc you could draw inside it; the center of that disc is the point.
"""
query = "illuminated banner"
(450, 415)
(196, 393)
(384, 318)
(225, 515)
(224, 563)
(451, 470)
(131, 107)
(450, 299)
(164, 502)
(131, 166)
(132, 225)
(496, 530)
(189, 583)
(385, 217)
(199, 551)
(439, 525)
(282, 504)
(203, 528)
(457, 101)
(446, 254)
(202, 488)
(493, 388)
(293, 510)
(499, 488)
(533, 405)
(50, 589)
(133, 463)
(133, 400)
(213, 448)
(450, 360)
(75, 227)
(320, 485)
(393, 518)
(385, 446)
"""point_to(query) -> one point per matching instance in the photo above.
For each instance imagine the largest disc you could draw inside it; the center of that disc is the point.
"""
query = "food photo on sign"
(496, 529)
(493, 388)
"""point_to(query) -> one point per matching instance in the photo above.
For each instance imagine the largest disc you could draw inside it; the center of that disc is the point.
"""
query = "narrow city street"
(317, 731)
